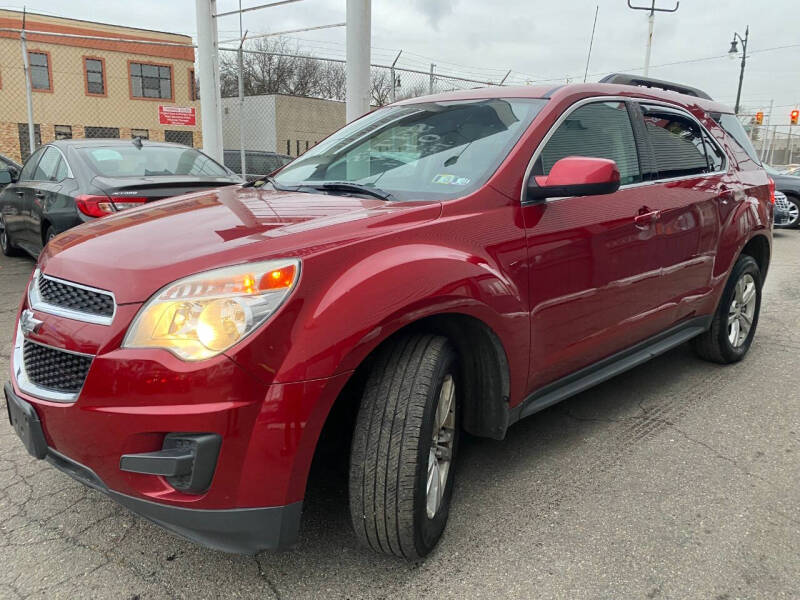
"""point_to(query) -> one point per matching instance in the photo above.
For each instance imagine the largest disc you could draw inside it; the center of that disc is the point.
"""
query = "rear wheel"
(5, 241)
(49, 234)
(734, 325)
(404, 445)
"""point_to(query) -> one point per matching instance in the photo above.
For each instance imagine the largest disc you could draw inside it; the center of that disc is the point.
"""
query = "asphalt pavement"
(679, 479)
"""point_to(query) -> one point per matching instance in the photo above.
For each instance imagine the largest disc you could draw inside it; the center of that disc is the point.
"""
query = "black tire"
(715, 345)
(5, 242)
(795, 223)
(392, 442)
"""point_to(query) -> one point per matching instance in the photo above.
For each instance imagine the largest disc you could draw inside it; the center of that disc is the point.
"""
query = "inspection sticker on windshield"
(450, 179)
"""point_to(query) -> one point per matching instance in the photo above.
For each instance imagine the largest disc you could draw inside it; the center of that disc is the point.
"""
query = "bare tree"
(381, 86)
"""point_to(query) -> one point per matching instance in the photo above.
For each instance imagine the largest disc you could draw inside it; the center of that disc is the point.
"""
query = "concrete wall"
(259, 121)
(302, 122)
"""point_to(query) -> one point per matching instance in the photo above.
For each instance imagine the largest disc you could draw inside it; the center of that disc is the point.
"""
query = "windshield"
(431, 150)
(150, 161)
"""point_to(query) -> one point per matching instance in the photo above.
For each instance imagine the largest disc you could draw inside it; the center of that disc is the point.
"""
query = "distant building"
(84, 87)
(277, 123)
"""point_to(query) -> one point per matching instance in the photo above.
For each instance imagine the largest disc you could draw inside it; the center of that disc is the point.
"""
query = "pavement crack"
(261, 573)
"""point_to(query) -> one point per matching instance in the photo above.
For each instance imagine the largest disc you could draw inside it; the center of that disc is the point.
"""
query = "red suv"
(454, 263)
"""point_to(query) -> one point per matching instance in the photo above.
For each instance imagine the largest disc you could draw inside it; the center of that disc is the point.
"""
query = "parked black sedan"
(68, 182)
(789, 185)
(9, 170)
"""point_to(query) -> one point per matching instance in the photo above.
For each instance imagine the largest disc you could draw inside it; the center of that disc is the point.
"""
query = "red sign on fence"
(177, 115)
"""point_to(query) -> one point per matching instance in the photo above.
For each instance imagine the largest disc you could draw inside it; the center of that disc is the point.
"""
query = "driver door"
(591, 263)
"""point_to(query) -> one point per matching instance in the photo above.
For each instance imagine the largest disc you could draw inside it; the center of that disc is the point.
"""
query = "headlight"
(203, 315)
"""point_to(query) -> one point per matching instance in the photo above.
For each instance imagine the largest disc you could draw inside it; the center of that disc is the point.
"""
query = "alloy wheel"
(794, 214)
(441, 452)
(742, 310)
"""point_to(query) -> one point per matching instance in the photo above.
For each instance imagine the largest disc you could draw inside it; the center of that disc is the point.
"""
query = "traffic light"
(794, 115)
(760, 118)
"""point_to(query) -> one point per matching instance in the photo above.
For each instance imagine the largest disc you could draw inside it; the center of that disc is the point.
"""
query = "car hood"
(138, 251)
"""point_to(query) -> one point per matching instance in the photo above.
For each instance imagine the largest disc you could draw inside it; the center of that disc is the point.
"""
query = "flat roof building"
(87, 82)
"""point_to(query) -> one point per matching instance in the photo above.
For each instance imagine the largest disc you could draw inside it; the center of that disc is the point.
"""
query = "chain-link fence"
(104, 82)
(277, 102)
(776, 144)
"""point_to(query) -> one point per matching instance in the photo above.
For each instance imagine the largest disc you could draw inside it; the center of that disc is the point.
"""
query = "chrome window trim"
(35, 301)
(26, 385)
(584, 101)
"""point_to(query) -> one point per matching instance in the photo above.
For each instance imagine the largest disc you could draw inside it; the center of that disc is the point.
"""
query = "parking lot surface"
(679, 479)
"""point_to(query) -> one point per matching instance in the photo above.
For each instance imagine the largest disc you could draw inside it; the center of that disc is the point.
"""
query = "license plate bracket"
(25, 421)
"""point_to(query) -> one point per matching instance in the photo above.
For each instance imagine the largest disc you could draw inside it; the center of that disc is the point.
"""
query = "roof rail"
(623, 79)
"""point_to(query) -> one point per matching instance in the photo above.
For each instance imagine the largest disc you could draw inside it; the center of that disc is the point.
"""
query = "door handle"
(20, 193)
(39, 195)
(645, 219)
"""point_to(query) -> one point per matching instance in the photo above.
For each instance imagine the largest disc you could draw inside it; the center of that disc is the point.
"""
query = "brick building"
(86, 84)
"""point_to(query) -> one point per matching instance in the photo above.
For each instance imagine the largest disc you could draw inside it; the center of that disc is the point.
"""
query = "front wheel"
(734, 325)
(794, 214)
(404, 447)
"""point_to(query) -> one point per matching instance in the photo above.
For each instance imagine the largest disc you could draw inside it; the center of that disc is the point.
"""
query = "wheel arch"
(758, 247)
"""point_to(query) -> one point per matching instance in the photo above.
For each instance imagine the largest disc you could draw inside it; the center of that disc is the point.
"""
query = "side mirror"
(6, 177)
(576, 176)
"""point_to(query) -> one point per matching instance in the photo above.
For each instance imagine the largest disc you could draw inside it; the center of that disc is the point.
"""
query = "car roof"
(578, 91)
(94, 142)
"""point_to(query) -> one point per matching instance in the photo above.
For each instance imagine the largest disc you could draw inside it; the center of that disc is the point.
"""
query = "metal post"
(430, 82)
(359, 22)
(242, 156)
(772, 145)
(26, 66)
(394, 76)
(741, 72)
(208, 68)
(789, 146)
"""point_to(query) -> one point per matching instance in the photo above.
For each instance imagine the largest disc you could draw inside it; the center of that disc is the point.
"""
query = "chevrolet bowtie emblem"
(28, 323)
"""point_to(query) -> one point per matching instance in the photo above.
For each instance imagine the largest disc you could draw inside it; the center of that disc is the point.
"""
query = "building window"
(95, 76)
(63, 132)
(140, 133)
(101, 132)
(179, 137)
(194, 88)
(41, 79)
(24, 146)
(151, 81)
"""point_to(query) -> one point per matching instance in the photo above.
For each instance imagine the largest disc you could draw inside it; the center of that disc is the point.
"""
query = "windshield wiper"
(271, 180)
(349, 186)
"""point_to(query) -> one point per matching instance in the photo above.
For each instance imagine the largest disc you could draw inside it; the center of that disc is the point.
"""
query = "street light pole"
(732, 52)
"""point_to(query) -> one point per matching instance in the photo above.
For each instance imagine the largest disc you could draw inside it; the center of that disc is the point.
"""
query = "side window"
(599, 130)
(733, 127)
(48, 166)
(677, 143)
(30, 165)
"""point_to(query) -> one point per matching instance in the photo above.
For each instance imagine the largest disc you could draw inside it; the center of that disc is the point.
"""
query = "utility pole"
(650, 24)
(591, 42)
(765, 134)
(359, 23)
(208, 67)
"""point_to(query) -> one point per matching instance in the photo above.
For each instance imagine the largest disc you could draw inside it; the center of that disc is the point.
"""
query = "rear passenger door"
(18, 216)
(688, 183)
(592, 263)
(50, 173)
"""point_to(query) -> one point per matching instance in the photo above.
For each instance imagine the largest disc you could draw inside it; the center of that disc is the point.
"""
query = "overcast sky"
(539, 40)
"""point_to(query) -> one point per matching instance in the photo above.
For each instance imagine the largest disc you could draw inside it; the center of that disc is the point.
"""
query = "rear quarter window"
(733, 127)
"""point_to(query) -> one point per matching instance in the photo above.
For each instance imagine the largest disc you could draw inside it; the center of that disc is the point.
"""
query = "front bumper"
(241, 530)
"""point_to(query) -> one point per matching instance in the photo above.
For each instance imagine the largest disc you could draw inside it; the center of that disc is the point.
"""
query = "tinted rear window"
(733, 127)
(149, 161)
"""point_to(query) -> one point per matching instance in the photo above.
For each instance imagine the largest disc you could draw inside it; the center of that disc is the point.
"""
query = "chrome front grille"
(781, 201)
(71, 300)
(54, 369)
(75, 298)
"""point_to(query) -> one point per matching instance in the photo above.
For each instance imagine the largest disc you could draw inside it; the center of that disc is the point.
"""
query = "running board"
(607, 368)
